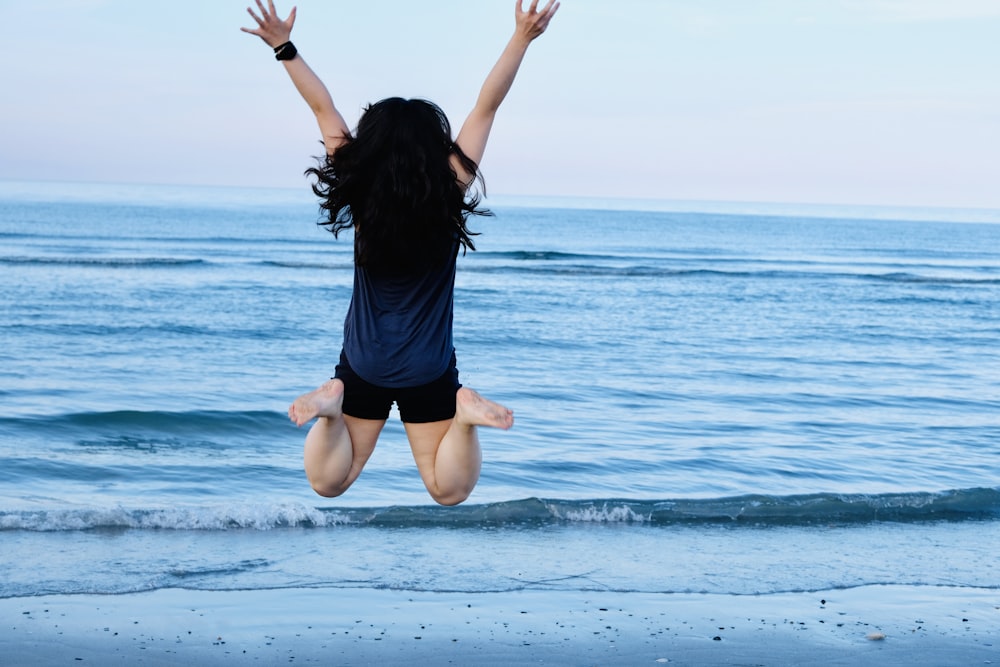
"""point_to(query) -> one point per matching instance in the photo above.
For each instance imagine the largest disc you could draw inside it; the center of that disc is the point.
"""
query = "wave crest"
(750, 511)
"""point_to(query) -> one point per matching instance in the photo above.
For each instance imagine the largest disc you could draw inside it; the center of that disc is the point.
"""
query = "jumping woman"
(403, 184)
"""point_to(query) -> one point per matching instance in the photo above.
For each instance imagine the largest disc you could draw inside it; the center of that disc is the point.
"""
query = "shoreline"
(886, 625)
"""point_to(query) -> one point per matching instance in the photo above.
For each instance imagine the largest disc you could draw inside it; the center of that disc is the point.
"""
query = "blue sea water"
(705, 399)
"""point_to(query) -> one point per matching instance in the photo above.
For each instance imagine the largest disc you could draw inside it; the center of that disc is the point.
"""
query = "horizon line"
(910, 212)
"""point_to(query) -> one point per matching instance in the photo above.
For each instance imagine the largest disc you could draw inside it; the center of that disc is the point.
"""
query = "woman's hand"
(532, 23)
(270, 28)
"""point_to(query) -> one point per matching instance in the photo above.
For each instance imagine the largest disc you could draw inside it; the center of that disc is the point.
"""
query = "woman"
(401, 183)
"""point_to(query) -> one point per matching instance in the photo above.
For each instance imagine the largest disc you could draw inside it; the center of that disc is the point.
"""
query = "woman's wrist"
(520, 39)
(285, 51)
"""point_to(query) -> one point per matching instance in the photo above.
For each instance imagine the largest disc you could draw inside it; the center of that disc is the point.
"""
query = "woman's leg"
(447, 452)
(337, 446)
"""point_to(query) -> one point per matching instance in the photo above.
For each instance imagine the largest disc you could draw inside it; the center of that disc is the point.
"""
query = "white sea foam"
(605, 513)
(213, 517)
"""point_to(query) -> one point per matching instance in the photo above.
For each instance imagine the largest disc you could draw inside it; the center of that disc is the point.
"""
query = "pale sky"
(886, 102)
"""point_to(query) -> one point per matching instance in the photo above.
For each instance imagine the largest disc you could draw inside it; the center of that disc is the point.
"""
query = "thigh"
(364, 436)
(424, 442)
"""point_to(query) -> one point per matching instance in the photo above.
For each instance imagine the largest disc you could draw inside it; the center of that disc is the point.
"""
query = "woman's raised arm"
(276, 33)
(475, 131)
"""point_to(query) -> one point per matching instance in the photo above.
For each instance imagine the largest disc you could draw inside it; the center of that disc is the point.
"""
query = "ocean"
(708, 398)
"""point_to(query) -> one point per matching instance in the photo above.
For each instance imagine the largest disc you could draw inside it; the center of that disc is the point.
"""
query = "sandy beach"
(884, 625)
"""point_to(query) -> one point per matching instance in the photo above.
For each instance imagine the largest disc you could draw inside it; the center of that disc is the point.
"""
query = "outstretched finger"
(263, 12)
(259, 21)
(548, 13)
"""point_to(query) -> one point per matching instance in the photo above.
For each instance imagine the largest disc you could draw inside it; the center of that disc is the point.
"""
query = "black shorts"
(431, 402)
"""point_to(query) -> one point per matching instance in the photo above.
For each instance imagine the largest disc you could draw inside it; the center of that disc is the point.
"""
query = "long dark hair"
(394, 184)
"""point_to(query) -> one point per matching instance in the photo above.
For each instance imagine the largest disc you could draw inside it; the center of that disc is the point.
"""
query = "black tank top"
(398, 331)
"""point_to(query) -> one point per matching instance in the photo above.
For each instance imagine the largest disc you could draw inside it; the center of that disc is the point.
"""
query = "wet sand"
(884, 625)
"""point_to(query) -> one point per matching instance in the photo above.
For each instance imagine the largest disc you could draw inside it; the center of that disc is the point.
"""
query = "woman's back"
(394, 184)
(398, 330)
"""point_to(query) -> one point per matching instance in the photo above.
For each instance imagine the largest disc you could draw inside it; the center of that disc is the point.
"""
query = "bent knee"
(328, 490)
(450, 499)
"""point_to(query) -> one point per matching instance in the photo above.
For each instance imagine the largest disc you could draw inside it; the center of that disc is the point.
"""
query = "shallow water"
(754, 379)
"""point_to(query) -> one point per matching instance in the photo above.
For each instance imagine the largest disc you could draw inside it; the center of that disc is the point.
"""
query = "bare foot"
(322, 402)
(472, 409)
